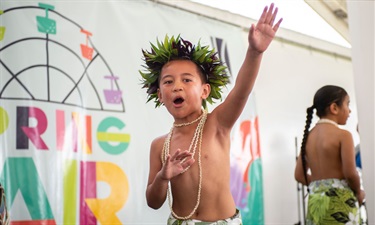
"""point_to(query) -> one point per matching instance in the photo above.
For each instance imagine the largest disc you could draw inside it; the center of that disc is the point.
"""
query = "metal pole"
(303, 204)
(303, 193)
(298, 190)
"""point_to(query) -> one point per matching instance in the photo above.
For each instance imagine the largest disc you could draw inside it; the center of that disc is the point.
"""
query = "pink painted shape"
(34, 133)
(88, 190)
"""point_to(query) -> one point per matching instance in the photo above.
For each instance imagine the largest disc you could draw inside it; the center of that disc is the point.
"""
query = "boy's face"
(181, 86)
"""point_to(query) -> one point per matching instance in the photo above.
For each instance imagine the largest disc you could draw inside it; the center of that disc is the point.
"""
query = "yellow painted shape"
(105, 209)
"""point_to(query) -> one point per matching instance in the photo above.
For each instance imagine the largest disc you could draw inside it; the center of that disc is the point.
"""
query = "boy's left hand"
(176, 164)
(261, 35)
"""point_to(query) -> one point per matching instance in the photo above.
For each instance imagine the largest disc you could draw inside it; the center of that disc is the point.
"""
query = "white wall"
(362, 29)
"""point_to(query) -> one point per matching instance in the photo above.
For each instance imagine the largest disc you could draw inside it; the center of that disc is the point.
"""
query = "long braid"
(309, 111)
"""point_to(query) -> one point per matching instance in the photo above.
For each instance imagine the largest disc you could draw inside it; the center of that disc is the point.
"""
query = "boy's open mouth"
(178, 100)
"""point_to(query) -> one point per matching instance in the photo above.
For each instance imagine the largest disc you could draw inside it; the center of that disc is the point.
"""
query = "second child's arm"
(299, 173)
(348, 164)
(260, 36)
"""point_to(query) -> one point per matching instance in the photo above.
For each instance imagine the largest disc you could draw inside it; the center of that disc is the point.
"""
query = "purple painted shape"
(238, 186)
(112, 96)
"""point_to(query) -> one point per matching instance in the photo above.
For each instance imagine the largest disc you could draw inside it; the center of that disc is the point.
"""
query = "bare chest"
(210, 149)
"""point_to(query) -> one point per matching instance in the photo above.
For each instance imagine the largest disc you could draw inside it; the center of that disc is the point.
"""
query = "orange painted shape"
(88, 33)
(84, 132)
(87, 51)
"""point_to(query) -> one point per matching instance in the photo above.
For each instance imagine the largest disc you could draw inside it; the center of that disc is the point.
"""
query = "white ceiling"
(334, 12)
(322, 19)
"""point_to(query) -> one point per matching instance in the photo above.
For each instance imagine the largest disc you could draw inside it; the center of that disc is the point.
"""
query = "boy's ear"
(206, 90)
(334, 108)
(160, 96)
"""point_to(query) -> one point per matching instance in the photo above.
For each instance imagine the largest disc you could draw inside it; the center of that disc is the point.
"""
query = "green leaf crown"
(178, 48)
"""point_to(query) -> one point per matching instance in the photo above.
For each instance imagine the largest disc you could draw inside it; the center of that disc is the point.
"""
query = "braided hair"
(323, 98)
(309, 111)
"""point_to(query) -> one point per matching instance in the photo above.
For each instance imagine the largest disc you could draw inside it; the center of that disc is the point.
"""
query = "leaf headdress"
(178, 48)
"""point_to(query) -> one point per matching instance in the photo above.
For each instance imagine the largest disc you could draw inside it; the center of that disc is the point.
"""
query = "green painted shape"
(103, 127)
(70, 191)
(46, 25)
(2, 33)
(255, 215)
(20, 174)
(4, 118)
(46, 6)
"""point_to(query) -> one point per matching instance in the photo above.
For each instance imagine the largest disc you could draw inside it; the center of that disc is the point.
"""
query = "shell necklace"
(327, 121)
(189, 123)
(197, 139)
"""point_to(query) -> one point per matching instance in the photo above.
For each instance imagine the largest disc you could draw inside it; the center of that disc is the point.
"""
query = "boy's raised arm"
(259, 38)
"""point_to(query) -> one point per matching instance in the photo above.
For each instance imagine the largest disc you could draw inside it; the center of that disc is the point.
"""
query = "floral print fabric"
(234, 220)
(331, 201)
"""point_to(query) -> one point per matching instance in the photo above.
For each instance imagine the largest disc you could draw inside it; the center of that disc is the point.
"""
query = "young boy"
(194, 156)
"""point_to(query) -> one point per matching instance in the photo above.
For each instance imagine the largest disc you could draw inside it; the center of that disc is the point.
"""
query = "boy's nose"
(177, 87)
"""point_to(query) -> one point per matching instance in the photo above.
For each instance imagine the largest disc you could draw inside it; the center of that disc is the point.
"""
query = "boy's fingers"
(273, 16)
(179, 156)
(269, 15)
(187, 163)
(175, 155)
(262, 18)
(277, 25)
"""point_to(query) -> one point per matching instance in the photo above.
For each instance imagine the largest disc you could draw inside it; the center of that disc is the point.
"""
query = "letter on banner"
(70, 191)
(30, 186)
(80, 130)
(104, 209)
(26, 133)
(4, 120)
(104, 136)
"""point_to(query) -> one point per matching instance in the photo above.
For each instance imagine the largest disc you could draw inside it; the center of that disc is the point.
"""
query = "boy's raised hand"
(261, 34)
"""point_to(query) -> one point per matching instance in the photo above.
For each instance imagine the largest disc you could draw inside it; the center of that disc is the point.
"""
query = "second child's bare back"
(328, 150)
(216, 200)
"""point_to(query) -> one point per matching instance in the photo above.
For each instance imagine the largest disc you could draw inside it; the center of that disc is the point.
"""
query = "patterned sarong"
(331, 201)
(234, 220)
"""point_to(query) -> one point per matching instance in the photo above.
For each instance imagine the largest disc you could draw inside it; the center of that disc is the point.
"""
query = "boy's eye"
(167, 82)
(187, 80)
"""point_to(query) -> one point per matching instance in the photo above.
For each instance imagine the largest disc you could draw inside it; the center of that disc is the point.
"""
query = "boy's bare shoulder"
(214, 123)
(158, 142)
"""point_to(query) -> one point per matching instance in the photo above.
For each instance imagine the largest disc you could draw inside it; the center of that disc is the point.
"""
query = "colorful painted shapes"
(45, 24)
(111, 95)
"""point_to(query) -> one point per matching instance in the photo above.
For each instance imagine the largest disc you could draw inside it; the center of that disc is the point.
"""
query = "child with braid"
(192, 162)
(328, 152)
